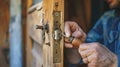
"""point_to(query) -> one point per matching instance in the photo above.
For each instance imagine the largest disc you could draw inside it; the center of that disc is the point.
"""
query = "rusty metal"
(44, 27)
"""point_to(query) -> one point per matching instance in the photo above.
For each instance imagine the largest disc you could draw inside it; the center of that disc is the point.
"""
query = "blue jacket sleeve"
(96, 33)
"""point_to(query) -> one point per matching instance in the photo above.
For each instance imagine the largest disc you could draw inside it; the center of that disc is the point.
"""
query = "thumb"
(67, 30)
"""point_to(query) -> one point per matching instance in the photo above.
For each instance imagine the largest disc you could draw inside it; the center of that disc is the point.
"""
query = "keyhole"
(56, 52)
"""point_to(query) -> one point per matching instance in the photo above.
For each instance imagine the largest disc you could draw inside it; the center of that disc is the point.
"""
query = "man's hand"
(72, 29)
(93, 54)
(97, 55)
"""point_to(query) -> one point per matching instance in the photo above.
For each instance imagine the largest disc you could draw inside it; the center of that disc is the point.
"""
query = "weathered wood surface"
(81, 15)
(49, 8)
(3, 62)
(33, 20)
(37, 53)
(29, 52)
(4, 23)
(34, 37)
(4, 31)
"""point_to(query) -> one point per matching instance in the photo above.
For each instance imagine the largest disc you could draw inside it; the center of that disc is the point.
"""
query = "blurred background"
(16, 45)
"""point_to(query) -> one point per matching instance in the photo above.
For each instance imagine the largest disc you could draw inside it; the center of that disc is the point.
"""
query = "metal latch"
(45, 29)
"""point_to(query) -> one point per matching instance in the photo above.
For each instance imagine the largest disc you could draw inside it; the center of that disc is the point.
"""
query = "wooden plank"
(33, 20)
(37, 52)
(24, 29)
(29, 43)
(2, 59)
(29, 3)
(4, 31)
(28, 52)
(4, 23)
(34, 35)
(49, 8)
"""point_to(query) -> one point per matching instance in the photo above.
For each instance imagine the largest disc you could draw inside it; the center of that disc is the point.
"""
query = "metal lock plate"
(57, 37)
(56, 53)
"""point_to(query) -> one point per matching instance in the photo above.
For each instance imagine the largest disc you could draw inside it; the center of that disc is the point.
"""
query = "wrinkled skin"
(72, 29)
(97, 55)
(93, 54)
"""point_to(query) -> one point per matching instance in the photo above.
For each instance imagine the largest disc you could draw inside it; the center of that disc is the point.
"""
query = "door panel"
(4, 27)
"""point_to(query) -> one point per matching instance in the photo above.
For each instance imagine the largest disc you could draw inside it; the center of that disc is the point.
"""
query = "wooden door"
(54, 41)
(78, 10)
(4, 29)
(34, 38)
(39, 53)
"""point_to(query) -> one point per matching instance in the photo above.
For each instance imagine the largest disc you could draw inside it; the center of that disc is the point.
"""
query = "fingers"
(93, 64)
(93, 61)
(67, 29)
(85, 60)
(70, 27)
(89, 59)
(86, 46)
(94, 54)
(92, 57)
(77, 34)
(83, 47)
(68, 45)
(86, 53)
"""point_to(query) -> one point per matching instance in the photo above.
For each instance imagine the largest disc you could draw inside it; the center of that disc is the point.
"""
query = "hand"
(97, 55)
(72, 29)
